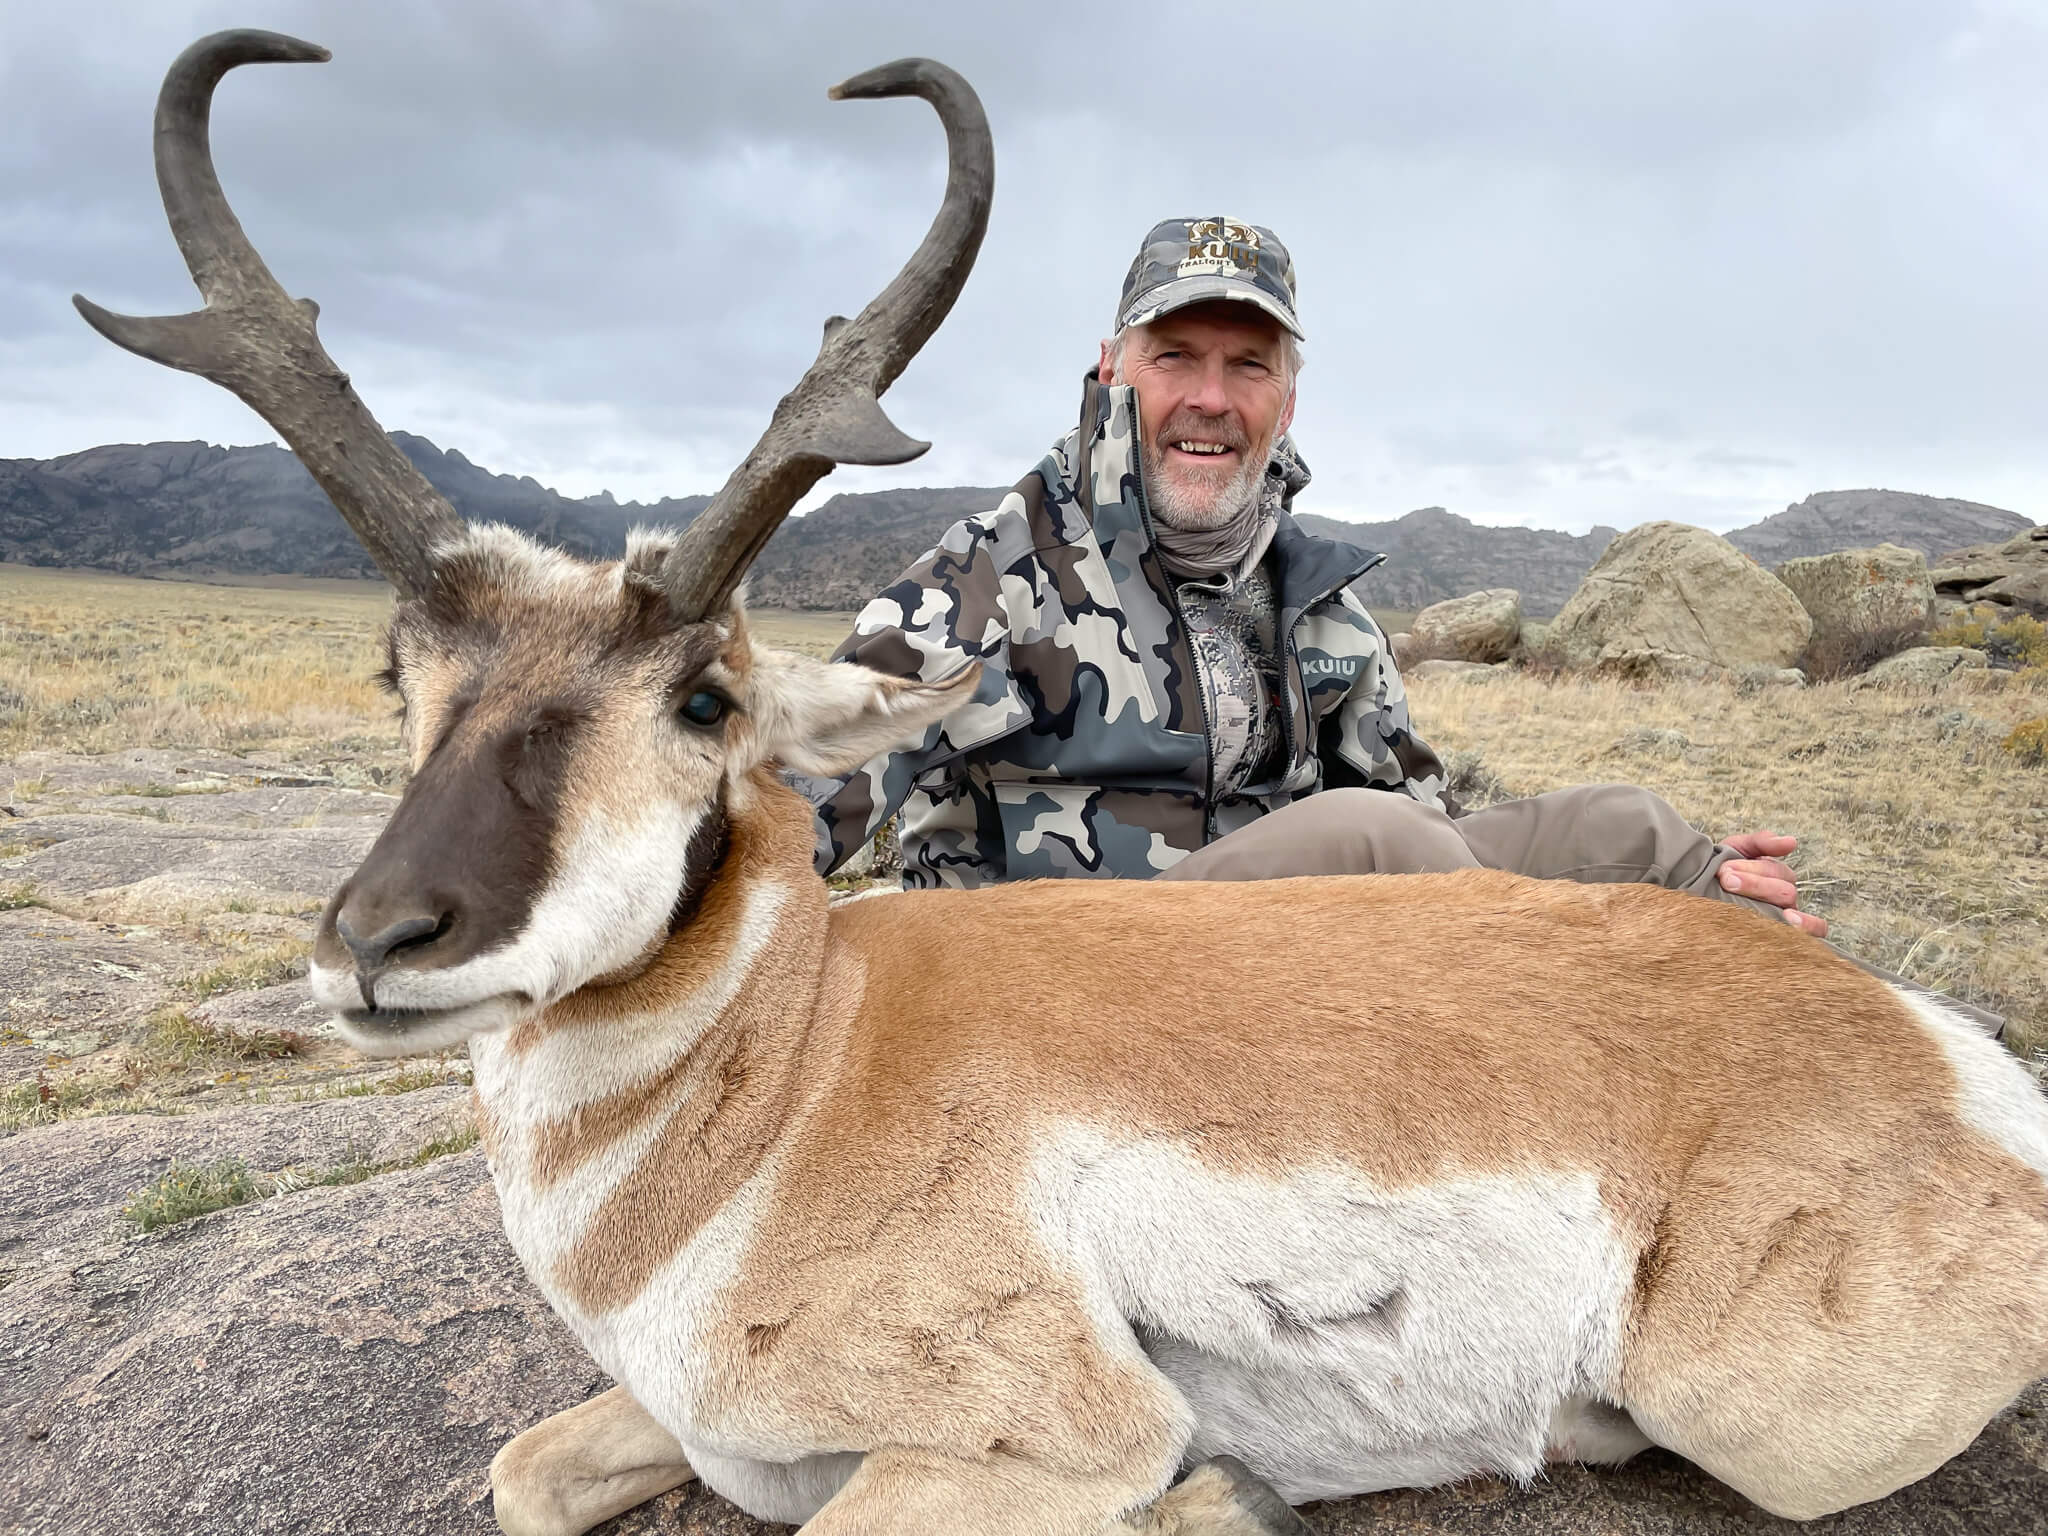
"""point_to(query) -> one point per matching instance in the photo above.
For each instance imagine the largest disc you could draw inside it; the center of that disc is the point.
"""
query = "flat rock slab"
(255, 807)
(77, 773)
(327, 1363)
(145, 862)
(69, 986)
(348, 1360)
(66, 1183)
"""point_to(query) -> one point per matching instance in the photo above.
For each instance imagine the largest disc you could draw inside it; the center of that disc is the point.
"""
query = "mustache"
(1210, 429)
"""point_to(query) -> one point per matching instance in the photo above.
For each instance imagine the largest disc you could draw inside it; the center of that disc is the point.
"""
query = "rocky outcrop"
(1480, 626)
(2014, 575)
(1444, 667)
(1674, 590)
(1832, 520)
(331, 1361)
(1924, 666)
(1858, 597)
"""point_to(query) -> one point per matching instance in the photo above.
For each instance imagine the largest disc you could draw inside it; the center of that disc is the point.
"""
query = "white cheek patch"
(609, 901)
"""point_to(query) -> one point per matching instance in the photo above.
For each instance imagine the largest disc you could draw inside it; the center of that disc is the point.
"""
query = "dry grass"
(92, 663)
(264, 967)
(184, 1192)
(174, 1040)
(98, 663)
(52, 1096)
(1924, 841)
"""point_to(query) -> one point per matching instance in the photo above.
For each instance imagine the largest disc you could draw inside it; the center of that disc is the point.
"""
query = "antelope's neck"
(621, 1119)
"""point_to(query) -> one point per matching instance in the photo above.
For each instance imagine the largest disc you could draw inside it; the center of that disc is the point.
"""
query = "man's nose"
(1207, 393)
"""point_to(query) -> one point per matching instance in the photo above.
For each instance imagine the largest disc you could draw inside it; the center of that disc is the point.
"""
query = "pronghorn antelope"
(873, 1243)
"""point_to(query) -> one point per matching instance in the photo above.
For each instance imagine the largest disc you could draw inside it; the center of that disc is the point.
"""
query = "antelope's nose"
(376, 951)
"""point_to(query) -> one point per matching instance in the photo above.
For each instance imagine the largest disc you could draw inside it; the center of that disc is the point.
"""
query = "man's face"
(1213, 394)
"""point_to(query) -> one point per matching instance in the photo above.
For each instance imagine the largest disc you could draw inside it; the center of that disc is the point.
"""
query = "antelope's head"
(576, 729)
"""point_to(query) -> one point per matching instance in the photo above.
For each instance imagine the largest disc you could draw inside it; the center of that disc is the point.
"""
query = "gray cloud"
(1561, 263)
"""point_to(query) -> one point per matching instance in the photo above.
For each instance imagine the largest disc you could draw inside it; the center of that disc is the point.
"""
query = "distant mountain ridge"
(195, 509)
(1832, 520)
(1433, 554)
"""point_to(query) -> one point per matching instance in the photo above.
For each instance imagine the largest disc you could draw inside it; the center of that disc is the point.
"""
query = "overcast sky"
(1560, 263)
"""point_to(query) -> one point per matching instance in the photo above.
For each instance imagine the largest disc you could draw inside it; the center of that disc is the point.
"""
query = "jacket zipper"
(1188, 642)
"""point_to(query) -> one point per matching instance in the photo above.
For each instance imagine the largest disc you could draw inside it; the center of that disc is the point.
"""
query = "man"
(1176, 680)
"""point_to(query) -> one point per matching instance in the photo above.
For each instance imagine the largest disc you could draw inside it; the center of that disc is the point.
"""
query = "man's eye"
(702, 708)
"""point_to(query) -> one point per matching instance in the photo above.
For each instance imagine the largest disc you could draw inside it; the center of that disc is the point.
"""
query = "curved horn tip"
(105, 321)
(254, 45)
(900, 77)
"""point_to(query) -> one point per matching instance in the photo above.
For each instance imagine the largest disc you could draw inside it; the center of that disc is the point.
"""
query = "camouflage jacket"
(1085, 749)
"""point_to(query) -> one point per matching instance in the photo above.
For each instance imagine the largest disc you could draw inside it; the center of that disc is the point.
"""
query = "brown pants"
(1595, 833)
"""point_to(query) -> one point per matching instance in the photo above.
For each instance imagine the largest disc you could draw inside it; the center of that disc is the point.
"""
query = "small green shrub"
(183, 1193)
(44, 1099)
(2019, 642)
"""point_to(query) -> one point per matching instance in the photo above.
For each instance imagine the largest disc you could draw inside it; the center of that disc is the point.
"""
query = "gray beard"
(1176, 508)
(1199, 540)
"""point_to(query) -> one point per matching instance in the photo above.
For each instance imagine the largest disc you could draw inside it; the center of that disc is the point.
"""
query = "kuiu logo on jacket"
(1085, 750)
(1331, 666)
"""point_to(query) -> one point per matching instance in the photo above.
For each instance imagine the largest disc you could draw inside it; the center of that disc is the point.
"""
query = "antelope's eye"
(702, 708)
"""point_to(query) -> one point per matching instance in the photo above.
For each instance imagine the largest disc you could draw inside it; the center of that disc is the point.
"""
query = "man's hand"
(1761, 875)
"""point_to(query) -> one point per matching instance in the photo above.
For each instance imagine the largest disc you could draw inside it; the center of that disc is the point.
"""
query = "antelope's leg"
(1221, 1497)
(915, 1493)
(899, 1491)
(583, 1466)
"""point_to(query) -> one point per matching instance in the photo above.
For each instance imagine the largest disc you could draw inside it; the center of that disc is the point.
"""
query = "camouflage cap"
(1191, 261)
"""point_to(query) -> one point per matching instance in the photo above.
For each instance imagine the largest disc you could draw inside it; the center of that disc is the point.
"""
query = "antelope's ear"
(829, 717)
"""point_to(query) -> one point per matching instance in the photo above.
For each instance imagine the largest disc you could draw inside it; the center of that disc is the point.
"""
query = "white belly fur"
(1342, 1338)
(1338, 1337)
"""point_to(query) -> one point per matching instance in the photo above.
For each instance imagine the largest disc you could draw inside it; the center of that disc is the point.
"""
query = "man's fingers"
(1806, 922)
(1758, 887)
(1757, 845)
(1767, 869)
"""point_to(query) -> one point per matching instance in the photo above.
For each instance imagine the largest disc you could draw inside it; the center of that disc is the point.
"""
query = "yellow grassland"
(1925, 837)
(98, 663)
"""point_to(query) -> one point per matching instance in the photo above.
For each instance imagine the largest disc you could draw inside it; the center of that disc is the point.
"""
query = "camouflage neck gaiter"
(1194, 554)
